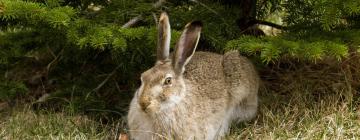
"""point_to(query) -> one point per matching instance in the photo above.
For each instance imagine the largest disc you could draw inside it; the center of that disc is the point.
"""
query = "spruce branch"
(128, 24)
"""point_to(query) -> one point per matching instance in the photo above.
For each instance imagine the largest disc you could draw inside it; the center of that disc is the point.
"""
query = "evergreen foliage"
(309, 46)
(315, 30)
(35, 14)
(327, 14)
(101, 29)
(11, 89)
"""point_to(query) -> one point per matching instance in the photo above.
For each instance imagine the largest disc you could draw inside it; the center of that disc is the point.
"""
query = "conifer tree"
(123, 32)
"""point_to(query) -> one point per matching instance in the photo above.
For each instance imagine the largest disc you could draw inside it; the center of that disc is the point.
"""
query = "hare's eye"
(167, 81)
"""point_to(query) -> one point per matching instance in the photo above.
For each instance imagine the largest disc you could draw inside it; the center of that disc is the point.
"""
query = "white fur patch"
(174, 99)
(140, 90)
(171, 102)
(156, 90)
(168, 75)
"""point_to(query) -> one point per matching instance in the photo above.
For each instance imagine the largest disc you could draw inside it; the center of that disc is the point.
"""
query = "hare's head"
(162, 86)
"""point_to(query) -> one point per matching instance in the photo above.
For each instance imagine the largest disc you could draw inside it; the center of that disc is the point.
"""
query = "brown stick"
(138, 18)
(132, 21)
(103, 82)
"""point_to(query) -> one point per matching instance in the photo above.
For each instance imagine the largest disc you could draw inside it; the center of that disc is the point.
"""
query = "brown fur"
(201, 102)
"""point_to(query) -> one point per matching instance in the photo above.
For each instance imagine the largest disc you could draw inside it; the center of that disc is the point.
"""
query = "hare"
(192, 95)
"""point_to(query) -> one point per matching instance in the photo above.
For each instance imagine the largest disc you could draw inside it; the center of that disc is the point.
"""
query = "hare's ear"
(186, 46)
(164, 36)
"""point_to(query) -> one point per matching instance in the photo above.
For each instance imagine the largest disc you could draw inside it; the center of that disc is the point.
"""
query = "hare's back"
(216, 73)
(241, 76)
(205, 71)
(239, 68)
(204, 67)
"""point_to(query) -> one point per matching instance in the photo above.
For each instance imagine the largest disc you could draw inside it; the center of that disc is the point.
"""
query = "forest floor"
(296, 104)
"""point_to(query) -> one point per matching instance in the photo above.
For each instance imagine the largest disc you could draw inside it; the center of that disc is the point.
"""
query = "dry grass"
(300, 116)
(23, 123)
(308, 102)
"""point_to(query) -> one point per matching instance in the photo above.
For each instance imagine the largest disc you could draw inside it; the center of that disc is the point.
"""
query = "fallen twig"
(103, 82)
(138, 18)
(56, 57)
(132, 21)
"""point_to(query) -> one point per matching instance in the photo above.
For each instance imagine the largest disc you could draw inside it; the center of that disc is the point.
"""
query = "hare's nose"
(144, 105)
(144, 102)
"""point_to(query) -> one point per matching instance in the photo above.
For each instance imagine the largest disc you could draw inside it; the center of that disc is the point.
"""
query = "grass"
(295, 116)
(24, 123)
(299, 116)
(308, 102)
